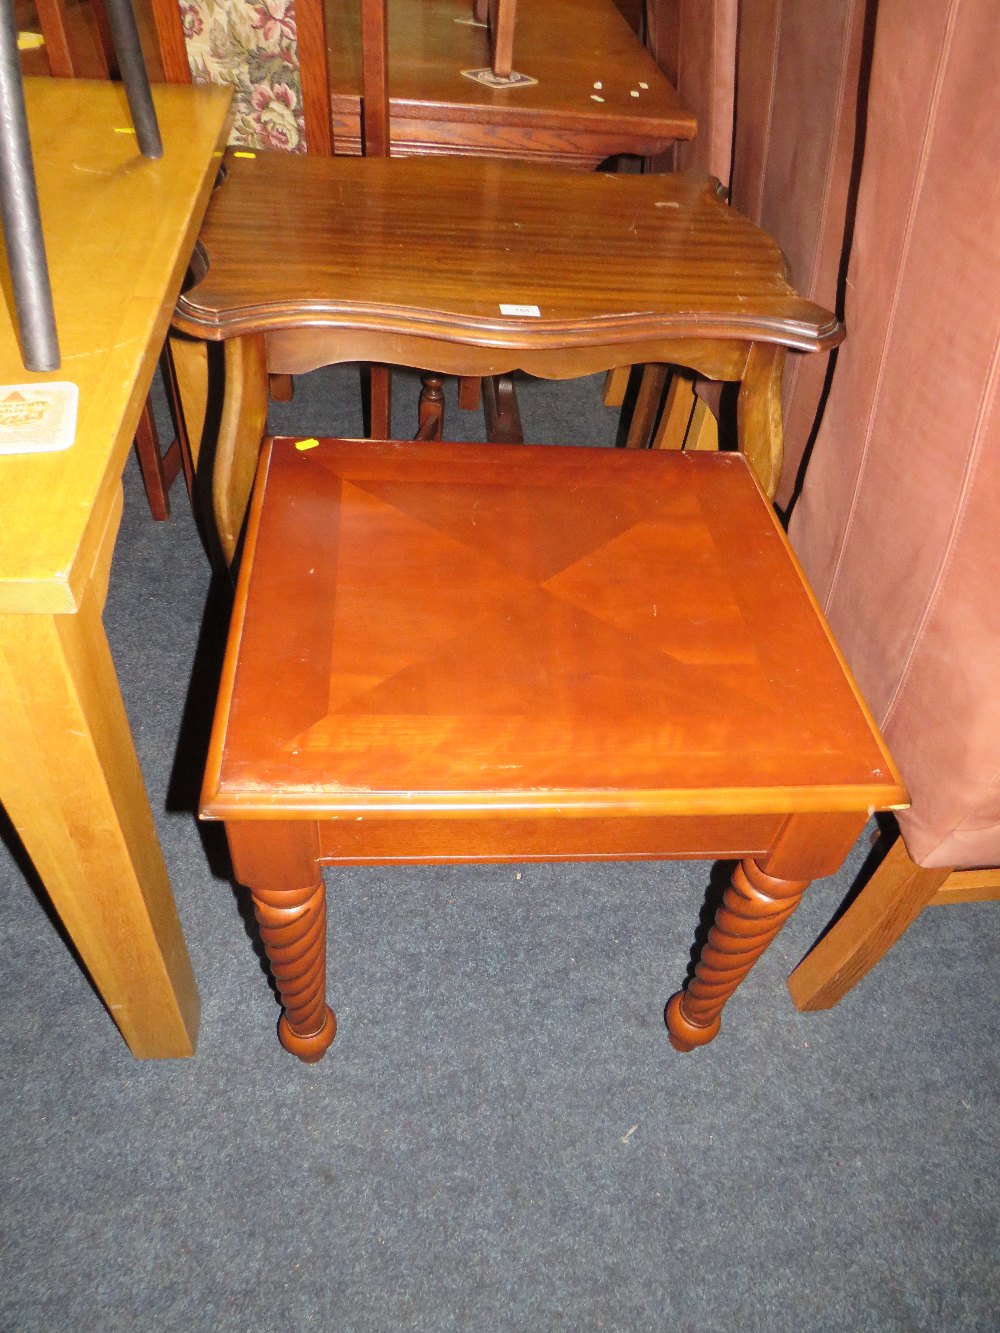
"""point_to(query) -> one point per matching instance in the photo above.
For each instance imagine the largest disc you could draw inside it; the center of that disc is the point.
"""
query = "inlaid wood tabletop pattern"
(458, 628)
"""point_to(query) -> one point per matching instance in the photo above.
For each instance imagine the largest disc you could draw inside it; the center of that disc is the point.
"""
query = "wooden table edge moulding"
(119, 231)
(403, 734)
(476, 268)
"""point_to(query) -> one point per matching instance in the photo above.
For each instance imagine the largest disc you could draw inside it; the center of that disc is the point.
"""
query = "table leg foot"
(309, 1049)
(684, 1035)
(754, 908)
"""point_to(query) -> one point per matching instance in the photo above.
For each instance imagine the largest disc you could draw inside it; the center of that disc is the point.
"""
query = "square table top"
(462, 628)
(119, 230)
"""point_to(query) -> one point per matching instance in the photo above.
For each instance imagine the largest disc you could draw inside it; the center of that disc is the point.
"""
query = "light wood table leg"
(71, 783)
(278, 864)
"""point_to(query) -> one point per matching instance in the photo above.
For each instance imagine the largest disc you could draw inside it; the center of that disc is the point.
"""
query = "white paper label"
(37, 418)
(530, 311)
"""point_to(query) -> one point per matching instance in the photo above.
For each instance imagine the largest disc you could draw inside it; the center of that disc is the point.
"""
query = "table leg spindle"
(431, 408)
(754, 908)
(293, 928)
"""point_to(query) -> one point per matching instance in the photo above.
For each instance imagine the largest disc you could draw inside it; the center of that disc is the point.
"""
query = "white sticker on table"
(37, 418)
(528, 311)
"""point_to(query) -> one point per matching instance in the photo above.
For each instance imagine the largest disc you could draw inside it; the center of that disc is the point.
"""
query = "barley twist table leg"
(754, 908)
(293, 928)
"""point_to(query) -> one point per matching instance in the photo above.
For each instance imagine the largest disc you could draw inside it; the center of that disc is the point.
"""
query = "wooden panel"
(516, 631)
(600, 256)
(440, 840)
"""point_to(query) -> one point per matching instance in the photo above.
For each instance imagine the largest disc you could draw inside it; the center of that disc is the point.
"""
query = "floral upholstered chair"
(251, 45)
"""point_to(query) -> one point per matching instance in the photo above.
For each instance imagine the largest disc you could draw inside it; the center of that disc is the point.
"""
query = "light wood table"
(119, 232)
(490, 653)
(567, 46)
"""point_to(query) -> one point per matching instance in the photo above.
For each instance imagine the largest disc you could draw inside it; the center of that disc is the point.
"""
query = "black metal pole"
(128, 49)
(22, 222)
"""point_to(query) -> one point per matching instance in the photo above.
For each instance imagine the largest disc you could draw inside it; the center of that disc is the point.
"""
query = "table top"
(567, 46)
(119, 231)
(460, 627)
(437, 248)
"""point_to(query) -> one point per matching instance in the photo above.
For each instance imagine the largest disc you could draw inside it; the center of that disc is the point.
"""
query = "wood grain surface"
(433, 248)
(455, 629)
(567, 46)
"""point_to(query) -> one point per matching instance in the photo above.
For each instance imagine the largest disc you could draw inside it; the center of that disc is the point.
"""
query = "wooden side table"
(471, 267)
(462, 653)
(119, 231)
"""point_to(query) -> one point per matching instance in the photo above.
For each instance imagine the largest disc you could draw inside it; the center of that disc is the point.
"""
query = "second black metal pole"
(128, 49)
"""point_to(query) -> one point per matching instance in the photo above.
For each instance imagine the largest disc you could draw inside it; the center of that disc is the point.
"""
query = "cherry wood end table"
(451, 653)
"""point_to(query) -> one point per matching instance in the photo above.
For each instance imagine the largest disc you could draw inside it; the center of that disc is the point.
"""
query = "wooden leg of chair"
(616, 386)
(282, 388)
(675, 418)
(647, 405)
(278, 864)
(181, 442)
(703, 431)
(431, 408)
(469, 393)
(503, 416)
(380, 403)
(969, 886)
(187, 384)
(758, 414)
(241, 431)
(147, 448)
(891, 900)
(754, 908)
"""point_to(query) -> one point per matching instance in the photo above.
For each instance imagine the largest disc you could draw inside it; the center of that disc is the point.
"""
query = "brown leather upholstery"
(898, 525)
(694, 43)
(798, 69)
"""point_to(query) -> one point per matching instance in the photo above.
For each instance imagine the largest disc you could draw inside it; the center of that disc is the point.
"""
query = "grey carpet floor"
(501, 1136)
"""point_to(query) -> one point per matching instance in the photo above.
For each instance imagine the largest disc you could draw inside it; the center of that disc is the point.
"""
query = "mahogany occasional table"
(119, 231)
(467, 653)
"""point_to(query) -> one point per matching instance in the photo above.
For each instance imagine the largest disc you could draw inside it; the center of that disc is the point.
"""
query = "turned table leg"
(278, 863)
(754, 908)
(293, 928)
(763, 893)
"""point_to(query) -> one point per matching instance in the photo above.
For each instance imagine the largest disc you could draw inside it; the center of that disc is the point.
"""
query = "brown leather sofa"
(898, 524)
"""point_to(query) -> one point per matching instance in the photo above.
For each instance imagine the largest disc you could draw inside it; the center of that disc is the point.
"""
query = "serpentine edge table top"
(489, 254)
